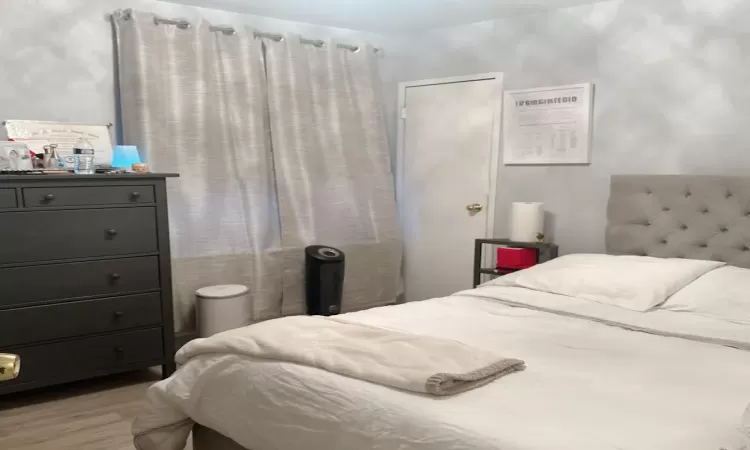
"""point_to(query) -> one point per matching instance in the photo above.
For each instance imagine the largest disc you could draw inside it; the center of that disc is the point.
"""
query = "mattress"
(588, 385)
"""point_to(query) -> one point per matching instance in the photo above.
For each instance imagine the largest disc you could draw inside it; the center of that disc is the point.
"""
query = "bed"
(599, 376)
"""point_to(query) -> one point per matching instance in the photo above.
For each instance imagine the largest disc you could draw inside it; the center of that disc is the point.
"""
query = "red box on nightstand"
(515, 258)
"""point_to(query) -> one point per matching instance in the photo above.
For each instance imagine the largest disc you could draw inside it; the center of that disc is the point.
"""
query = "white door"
(449, 137)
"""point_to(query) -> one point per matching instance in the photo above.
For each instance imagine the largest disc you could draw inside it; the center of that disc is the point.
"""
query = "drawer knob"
(112, 232)
(49, 197)
(119, 351)
(118, 314)
(135, 195)
(114, 276)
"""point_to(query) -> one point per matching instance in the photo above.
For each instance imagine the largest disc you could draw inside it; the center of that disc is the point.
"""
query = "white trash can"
(222, 307)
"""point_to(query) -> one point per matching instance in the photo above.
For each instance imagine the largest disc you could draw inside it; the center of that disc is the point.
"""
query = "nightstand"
(544, 252)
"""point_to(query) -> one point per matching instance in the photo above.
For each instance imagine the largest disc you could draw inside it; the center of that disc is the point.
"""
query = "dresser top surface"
(74, 177)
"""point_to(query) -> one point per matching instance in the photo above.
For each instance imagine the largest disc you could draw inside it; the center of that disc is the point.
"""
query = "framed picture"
(549, 125)
(64, 135)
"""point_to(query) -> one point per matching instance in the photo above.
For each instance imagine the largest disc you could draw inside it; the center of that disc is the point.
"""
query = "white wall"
(57, 60)
(384, 16)
(672, 83)
(672, 94)
(58, 54)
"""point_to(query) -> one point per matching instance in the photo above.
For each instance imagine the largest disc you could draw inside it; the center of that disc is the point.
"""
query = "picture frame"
(548, 125)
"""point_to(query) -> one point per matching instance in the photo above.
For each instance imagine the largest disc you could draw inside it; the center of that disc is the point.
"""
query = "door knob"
(474, 207)
(10, 366)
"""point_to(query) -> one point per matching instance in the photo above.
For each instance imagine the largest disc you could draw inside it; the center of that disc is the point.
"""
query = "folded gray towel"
(455, 383)
(424, 364)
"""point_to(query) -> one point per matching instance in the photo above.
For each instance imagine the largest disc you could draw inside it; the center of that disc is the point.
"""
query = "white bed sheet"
(587, 386)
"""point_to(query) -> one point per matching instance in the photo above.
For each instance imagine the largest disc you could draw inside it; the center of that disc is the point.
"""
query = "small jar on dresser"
(85, 278)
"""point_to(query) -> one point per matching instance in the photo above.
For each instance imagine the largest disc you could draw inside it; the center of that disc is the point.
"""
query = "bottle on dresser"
(83, 154)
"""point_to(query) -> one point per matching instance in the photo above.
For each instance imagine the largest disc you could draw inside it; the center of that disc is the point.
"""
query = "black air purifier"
(324, 279)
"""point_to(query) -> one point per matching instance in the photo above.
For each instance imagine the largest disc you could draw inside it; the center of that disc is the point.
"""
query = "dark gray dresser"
(85, 280)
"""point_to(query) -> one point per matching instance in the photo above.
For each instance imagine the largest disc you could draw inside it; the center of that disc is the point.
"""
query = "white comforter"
(587, 386)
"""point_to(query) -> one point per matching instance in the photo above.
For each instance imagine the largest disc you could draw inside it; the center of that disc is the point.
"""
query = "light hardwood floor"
(87, 415)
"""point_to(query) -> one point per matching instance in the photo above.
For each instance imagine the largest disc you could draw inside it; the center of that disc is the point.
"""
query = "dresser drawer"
(55, 235)
(81, 358)
(7, 198)
(66, 320)
(21, 286)
(87, 196)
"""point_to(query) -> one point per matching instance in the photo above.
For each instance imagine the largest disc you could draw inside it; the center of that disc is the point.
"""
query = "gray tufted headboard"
(683, 216)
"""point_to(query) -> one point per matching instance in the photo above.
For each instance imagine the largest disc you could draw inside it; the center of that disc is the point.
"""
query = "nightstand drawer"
(83, 358)
(65, 320)
(22, 286)
(7, 198)
(56, 235)
(87, 196)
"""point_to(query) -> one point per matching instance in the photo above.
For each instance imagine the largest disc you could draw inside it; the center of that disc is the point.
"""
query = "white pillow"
(632, 282)
(723, 293)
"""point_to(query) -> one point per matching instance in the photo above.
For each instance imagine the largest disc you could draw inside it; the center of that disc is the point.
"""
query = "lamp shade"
(124, 156)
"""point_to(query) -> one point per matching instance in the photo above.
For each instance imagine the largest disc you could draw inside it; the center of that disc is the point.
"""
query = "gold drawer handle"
(10, 366)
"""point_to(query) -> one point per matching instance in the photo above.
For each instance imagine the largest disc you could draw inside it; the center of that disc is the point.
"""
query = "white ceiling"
(384, 15)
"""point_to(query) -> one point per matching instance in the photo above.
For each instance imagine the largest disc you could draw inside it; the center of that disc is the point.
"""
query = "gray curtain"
(332, 167)
(193, 101)
(278, 145)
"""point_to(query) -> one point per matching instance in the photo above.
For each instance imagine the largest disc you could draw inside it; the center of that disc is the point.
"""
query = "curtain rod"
(184, 24)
